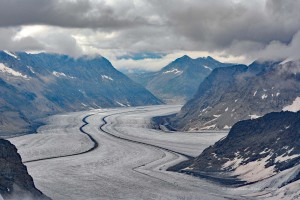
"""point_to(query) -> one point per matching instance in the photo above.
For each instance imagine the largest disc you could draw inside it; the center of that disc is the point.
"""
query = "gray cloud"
(258, 28)
(69, 13)
(7, 41)
(218, 24)
(53, 41)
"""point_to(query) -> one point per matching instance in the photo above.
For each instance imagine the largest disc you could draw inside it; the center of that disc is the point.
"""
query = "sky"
(148, 34)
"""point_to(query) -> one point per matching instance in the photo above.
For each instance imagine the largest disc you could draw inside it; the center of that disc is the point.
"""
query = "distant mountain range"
(35, 85)
(264, 151)
(239, 92)
(178, 81)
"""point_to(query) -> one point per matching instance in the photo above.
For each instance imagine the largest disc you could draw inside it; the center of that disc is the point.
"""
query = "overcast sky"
(148, 34)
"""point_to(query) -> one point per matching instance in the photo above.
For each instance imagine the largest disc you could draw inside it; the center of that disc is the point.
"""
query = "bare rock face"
(33, 86)
(255, 149)
(15, 182)
(178, 81)
(240, 92)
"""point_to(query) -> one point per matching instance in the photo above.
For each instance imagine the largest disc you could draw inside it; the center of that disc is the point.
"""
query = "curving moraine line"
(95, 146)
(137, 142)
(175, 153)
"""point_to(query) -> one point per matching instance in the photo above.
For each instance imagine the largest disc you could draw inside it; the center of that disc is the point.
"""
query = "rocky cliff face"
(255, 149)
(15, 182)
(178, 81)
(35, 85)
(239, 92)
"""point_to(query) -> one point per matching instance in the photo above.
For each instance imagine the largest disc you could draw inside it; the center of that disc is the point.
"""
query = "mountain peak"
(185, 57)
(260, 66)
(210, 58)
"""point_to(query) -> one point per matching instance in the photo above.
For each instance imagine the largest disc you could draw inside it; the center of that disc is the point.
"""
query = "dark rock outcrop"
(260, 147)
(15, 182)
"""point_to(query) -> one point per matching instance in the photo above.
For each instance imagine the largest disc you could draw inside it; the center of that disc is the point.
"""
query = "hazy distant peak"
(210, 58)
(183, 58)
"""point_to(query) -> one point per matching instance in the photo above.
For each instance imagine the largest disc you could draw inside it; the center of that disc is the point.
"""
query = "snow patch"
(205, 109)
(294, 107)
(254, 116)
(207, 67)
(255, 93)
(214, 155)
(289, 151)
(265, 151)
(255, 171)
(107, 77)
(61, 74)
(31, 69)
(120, 104)
(287, 127)
(227, 127)
(264, 96)
(233, 163)
(226, 109)
(11, 54)
(208, 127)
(285, 157)
(174, 70)
(12, 72)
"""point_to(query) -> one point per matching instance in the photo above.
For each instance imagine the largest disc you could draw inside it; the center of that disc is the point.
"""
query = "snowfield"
(294, 107)
(128, 162)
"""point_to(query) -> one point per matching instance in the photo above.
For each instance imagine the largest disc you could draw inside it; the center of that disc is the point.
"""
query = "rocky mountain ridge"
(178, 81)
(36, 85)
(262, 152)
(241, 92)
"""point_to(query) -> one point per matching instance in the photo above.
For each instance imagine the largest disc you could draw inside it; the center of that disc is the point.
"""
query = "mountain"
(239, 92)
(178, 81)
(35, 85)
(264, 151)
(15, 182)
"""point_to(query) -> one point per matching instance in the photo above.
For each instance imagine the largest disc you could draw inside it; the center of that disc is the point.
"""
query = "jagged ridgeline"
(241, 92)
(35, 85)
(178, 81)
